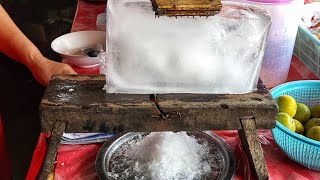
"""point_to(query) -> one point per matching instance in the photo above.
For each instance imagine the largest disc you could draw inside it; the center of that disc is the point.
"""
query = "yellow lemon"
(311, 123)
(287, 104)
(287, 121)
(303, 113)
(315, 111)
(314, 133)
(299, 127)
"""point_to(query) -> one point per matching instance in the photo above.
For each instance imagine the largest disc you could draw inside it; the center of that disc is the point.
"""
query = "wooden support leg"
(54, 142)
(252, 148)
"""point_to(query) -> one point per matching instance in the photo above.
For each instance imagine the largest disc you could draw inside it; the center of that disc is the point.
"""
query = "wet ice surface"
(217, 54)
(166, 156)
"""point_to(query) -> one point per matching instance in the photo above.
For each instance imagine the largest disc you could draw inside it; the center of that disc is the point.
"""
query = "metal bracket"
(163, 115)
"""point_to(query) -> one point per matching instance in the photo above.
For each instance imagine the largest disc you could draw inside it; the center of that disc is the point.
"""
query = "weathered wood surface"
(252, 147)
(186, 7)
(54, 141)
(80, 101)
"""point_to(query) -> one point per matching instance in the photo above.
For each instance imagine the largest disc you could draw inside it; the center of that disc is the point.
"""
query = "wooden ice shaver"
(77, 103)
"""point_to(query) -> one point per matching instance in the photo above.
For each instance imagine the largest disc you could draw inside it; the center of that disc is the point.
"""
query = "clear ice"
(220, 54)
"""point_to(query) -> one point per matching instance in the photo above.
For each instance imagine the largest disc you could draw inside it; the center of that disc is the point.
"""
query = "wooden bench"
(77, 103)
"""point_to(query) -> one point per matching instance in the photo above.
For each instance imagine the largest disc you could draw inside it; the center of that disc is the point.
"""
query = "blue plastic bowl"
(299, 148)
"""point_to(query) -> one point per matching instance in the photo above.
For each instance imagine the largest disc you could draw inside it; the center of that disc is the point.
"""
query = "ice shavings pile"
(165, 156)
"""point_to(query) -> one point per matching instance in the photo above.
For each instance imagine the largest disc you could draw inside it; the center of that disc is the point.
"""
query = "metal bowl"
(224, 160)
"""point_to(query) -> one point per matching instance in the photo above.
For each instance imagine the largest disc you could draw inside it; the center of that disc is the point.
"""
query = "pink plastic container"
(280, 43)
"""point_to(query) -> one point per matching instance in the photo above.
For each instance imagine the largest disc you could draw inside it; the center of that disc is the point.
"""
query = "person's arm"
(17, 46)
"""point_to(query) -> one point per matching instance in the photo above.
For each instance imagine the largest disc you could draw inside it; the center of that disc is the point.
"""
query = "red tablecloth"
(77, 161)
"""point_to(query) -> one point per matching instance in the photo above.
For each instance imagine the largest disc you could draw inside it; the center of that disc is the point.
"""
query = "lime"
(287, 104)
(311, 123)
(315, 111)
(314, 133)
(303, 113)
(287, 121)
(299, 127)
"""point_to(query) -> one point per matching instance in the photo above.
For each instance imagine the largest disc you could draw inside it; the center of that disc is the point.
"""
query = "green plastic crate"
(307, 49)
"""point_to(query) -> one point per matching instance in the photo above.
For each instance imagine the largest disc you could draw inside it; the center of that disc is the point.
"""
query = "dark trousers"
(20, 96)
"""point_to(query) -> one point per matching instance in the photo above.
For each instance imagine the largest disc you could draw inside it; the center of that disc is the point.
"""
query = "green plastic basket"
(307, 49)
(299, 148)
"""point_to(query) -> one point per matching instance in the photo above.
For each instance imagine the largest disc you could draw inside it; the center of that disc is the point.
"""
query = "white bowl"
(69, 47)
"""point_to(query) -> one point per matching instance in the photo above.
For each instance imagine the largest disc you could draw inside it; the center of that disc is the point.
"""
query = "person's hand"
(45, 68)
(18, 47)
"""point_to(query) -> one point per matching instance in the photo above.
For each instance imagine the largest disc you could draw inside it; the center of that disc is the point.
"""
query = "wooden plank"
(59, 128)
(252, 147)
(186, 7)
(81, 101)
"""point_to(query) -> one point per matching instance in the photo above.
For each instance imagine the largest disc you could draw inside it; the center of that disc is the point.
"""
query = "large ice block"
(218, 54)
